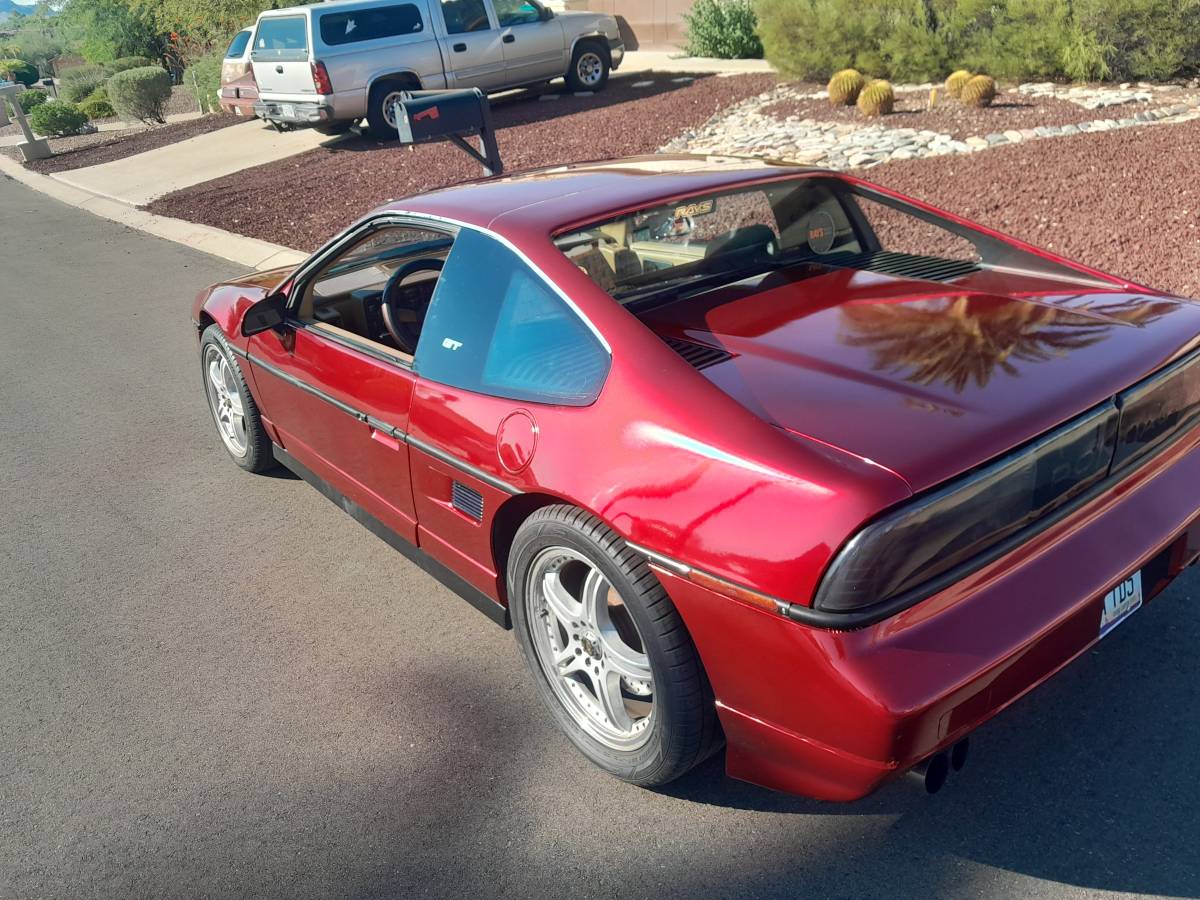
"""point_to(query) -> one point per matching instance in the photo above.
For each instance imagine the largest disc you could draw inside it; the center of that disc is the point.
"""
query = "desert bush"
(954, 84)
(97, 105)
(57, 118)
(876, 99)
(77, 84)
(129, 62)
(32, 99)
(203, 81)
(1155, 39)
(979, 91)
(722, 28)
(844, 87)
(19, 71)
(140, 94)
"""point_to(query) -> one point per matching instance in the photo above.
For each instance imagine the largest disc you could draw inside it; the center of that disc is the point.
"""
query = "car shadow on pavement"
(1089, 781)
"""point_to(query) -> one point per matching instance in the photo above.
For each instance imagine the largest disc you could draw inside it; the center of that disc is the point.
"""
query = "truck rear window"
(280, 36)
(370, 24)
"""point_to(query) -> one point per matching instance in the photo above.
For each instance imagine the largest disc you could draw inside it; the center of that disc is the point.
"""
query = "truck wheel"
(380, 116)
(589, 68)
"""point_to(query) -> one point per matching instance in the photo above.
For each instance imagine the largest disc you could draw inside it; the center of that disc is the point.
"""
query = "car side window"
(495, 327)
(238, 45)
(370, 24)
(517, 12)
(465, 16)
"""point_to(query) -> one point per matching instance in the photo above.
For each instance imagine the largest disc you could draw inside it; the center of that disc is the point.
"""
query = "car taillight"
(321, 78)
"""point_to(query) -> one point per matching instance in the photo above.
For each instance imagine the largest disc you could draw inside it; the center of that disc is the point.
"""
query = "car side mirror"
(266, 314)
(547, 14)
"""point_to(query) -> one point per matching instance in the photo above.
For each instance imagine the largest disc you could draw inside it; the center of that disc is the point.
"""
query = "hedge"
(140, 93)
(57, 119)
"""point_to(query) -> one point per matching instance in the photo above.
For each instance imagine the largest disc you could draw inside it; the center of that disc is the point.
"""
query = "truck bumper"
(296, 113)
(835, 714)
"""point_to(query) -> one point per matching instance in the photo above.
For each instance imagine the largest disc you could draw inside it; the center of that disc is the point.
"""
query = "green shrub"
(1135, 39)
(722, 28)
(844, 87)
(77, 84)
(876, 99)
(203, 81)
(18, 70)
(129, 62)
(140, 94)
(32, 99)
(979, 91)
(97, 105)
(57, 118)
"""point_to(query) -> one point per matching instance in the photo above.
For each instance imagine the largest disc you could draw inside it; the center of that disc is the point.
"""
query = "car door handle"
(386, 439)
(460, 48)
(279, 70)
(509, 38)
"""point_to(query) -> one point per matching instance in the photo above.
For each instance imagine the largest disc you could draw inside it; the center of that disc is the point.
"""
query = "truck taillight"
(321, 78)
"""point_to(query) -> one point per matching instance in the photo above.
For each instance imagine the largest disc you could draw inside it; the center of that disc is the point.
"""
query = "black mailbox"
(424, 116)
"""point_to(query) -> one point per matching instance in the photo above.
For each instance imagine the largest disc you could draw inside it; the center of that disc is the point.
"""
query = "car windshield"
(723, 237)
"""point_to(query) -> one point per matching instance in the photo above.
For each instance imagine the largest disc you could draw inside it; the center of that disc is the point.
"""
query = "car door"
(501, 356)
(533, 41)
(339, 400)
(279, 56)
(471, 49)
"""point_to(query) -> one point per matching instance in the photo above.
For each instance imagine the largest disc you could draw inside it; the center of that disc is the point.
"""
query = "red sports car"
(750, 454)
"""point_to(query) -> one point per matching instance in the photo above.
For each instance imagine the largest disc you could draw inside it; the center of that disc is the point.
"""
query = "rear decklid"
(280, 55)
(925, 378)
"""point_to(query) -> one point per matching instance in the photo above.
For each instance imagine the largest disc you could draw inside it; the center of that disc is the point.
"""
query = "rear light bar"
(1158, 409)
(320, 76)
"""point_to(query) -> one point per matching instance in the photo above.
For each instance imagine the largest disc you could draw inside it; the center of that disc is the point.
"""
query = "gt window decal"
(451, 344)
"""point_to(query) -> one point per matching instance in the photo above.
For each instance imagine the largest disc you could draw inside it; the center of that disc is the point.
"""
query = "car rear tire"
(608, 651)
(233, 409)
(589, 68)
(379, 115)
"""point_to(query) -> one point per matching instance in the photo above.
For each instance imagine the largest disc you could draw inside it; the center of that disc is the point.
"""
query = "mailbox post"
(426, 116)
(33, 148)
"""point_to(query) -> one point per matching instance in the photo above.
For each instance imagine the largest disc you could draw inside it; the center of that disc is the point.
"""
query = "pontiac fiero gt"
(747, 454)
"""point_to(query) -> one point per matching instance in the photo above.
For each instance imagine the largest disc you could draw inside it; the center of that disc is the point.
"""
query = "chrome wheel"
(389, 107)
(589, 648)
(589, 68)
(225, 400)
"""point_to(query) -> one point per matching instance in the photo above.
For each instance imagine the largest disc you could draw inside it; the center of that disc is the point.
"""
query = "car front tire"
(589, 68)
(379, 118)
(609, 653)
(233, 409)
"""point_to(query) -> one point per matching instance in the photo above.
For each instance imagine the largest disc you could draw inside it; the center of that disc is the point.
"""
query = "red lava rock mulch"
(300, 201)
(949, 116)
(1123, 201)
(105, 146)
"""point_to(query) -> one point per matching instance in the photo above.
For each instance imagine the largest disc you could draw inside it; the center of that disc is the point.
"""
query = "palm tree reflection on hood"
(960, 339)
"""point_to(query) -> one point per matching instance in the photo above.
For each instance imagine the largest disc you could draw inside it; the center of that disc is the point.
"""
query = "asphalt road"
(217, 684)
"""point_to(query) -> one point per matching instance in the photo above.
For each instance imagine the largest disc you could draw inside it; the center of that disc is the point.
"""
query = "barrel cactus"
(876, 99)
(979, 91)
(845, 86)
(954, 84)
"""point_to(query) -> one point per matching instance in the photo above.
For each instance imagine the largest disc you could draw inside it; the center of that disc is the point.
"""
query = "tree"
(106, 30)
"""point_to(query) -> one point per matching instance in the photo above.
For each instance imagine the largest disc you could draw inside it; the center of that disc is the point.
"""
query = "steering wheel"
(404, 308)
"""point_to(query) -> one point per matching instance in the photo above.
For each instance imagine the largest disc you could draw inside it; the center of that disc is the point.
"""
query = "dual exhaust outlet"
(934, 771)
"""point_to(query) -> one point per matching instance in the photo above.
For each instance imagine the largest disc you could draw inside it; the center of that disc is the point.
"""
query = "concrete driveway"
(216, 684)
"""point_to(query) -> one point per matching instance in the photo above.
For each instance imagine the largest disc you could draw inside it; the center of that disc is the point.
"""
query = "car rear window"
(370, 24)
(238, 45)
(281, 36)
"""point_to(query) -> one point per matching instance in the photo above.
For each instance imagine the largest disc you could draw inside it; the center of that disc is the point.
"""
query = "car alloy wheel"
(390, 99)
(225, 400)
(589, 648)
(589, 68)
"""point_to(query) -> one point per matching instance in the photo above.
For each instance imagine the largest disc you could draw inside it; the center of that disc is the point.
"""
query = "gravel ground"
(1123, 201)
(1009, 111)
(102, 147)
(303, 200)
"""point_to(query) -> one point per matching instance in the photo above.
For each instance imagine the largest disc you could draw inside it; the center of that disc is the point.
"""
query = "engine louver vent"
(467, 500)
(905, 265)
(698, 356)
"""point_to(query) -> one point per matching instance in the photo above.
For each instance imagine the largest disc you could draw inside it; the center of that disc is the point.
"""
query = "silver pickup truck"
(332, 63)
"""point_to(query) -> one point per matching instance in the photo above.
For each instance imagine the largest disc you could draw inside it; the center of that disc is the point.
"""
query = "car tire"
(377, 118)
(566, 546)
(333, 129)
(234, 412)
(589, 67)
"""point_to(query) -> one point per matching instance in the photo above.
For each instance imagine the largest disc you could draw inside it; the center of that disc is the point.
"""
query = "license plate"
(1120, 603)
(289, 111)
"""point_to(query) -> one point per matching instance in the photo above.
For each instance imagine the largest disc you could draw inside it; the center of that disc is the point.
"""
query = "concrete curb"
(246, 251)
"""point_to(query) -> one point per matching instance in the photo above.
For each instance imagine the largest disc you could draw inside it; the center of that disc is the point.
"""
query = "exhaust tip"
(958, 754)
(933, 772)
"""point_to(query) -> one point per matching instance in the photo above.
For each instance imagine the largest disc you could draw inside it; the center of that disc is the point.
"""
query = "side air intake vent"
(467, 500)
(698, 356)
(905, 265)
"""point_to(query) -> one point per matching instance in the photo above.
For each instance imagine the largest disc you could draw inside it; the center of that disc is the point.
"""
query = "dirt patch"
(1009, 111)
(105, 146)
(1122, 201)
(301, 201)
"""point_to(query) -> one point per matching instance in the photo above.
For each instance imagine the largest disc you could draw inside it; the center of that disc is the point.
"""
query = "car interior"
(378, 290)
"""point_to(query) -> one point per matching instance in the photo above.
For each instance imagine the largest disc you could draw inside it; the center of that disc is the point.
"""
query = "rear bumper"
(835, 714)
(296, 113)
